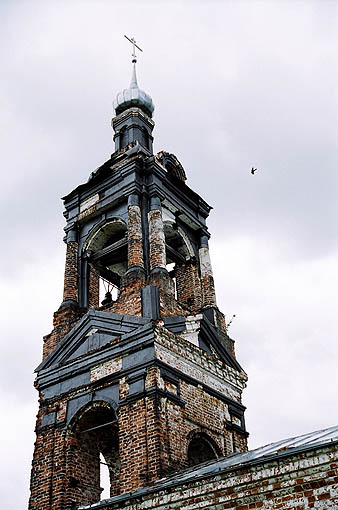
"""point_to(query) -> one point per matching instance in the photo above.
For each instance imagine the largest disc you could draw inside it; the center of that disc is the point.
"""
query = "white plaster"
(168, 215)
(197, 372)
(205, 262)
(85, 204)
(192, 324)
(92, 331)
(104, 369)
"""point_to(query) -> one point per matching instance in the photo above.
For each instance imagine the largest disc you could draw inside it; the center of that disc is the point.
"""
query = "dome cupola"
(133, 123)
(133, 96)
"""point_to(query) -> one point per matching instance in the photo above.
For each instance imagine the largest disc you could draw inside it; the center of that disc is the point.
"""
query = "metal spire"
(133, 82)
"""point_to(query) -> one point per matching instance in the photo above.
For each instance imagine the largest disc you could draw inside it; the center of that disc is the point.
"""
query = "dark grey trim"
(155, 204)
(150, 302)
(211, 334)
(134, 199)
(204, 241)
(56, 375)
(175, 324)
(109, 322)
(153, 392)
(76, 404)
(236, 428)
(48, 419)
(72, 235)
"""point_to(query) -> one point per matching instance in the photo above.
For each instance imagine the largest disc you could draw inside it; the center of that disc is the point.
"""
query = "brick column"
(156, 235)
(159, 275)
(207, 279)
(135, 242)
(93, 287)
(70, 288)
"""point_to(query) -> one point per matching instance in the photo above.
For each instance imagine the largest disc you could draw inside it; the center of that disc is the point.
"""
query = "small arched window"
(124, 138)
(202, 448)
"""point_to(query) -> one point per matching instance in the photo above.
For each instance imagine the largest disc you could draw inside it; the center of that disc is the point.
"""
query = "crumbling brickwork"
(70, 290)
(93, 287)
(135, 242)
(64, 320)
(129, 300)
(207, 279)
(142, 380)
(159, 414)
(293, 482)
(189, 285)
(66, 463)
(156, 239)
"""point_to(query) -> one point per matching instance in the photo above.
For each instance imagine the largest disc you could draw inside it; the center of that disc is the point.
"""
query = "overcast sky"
(235, 85)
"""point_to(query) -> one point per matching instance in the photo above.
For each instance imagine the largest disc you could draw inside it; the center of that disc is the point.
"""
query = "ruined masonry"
(139, 374)
(144, 376)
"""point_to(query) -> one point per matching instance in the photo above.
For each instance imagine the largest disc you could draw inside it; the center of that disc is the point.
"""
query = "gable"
(93, 331)
(209, 339)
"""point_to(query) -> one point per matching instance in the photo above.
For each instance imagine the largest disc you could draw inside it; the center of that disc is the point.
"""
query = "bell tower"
(139, 372)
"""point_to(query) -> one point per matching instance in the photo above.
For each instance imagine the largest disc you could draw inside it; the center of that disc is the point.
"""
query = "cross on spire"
(133, 42)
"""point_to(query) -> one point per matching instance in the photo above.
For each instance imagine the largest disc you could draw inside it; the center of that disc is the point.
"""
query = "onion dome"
(133, 96)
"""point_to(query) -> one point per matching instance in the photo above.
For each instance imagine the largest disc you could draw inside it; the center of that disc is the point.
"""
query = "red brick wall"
(48, 483)
(154, 429)
(208, 290)
(294, 482)
(129, 301)
(70, 290)
(64, 320)
(66, 467)
(93, 288)
(188, 285)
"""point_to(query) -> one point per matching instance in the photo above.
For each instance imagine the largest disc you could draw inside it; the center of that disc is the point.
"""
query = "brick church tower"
(143, 378)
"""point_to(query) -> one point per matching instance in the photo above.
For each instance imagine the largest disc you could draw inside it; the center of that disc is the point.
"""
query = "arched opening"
(107, 251)
(179, 252)
(202, 448)
(94, 455)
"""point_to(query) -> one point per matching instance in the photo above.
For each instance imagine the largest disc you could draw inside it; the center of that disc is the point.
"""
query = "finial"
(133, 42)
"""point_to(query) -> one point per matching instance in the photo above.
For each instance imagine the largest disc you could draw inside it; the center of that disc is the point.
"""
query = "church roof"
(265, 453)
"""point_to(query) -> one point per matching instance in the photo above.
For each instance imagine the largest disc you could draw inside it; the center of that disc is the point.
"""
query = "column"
(135, 241)
(70, 289)
(207, 279)
(156, 235)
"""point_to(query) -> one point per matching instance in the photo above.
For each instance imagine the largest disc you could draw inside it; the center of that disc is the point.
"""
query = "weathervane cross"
(133, 42)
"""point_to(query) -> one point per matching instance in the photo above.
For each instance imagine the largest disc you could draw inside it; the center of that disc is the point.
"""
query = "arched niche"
(201, 448)
(172, 165)
(93, 435)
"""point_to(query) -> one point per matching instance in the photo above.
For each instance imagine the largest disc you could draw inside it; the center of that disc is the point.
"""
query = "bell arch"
(105, 261)
(178, 249)
(181, 263)
(92, 434)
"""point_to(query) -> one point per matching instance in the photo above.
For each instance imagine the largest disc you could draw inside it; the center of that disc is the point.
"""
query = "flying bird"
(253, 170)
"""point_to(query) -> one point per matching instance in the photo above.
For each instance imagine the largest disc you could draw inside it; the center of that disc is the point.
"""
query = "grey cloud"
(235, 84)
